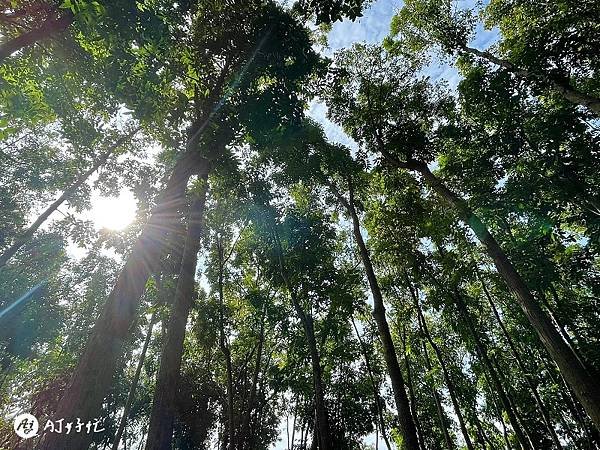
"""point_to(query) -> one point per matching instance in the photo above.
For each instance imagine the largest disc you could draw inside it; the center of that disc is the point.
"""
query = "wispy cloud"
(372, 27)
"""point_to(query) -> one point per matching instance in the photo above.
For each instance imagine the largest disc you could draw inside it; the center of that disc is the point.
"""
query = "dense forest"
(433, 283)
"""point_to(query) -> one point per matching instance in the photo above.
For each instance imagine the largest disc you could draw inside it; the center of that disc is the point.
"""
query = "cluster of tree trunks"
(93, 375)
(570, 365)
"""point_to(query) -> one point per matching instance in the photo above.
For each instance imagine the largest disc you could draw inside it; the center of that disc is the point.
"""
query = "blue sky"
(373, 27)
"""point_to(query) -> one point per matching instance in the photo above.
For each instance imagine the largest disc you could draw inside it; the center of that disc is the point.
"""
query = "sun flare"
(113, 213)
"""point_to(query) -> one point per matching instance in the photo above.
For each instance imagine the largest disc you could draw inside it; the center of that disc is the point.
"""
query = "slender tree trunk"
(24, 237)
(92, 377)
(302, 437)
(504, 430)
(514, 408)
(574, 407)
(483, 438)
(322, 433)
(230, 406)
(246, 441)
(134, 384)
(562, 87)
(411, 391)
(406, 425)
(449, 383)
(586, 388)
(225, 350)
(160, 431)
(322, 430)
(438, 405)
(294, 425)
(374, 386)
(532, 385)
(560, 325)
(47, 28)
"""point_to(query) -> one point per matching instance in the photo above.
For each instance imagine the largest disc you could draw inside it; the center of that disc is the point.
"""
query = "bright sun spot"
(113, 213)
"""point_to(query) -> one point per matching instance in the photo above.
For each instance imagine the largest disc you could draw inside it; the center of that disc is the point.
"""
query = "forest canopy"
(191, 259)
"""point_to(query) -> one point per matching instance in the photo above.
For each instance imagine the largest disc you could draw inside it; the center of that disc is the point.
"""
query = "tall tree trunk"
(224, 346)
(92, 377)
(322, 429)
(504, 429)
(438, 405)
(448, 380)
(246, 438)
(160, 431)
(374, 385)
(24, 237)
(411, 391)
(406, 425)
(559, 324)
(513, 348)
(294, 425)
(514, 408)
(134, 384)
(586, 429)
(562, 87)
(48, 27)
(586, 388)
(322, 433)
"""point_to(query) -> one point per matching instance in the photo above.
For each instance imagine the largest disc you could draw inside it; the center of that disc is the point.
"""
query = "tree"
(561, 67)
(163, 408)
(398, 135)
(121, 306)
(307, 291)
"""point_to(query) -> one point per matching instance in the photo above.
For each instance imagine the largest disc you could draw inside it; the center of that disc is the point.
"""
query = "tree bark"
(563, 88)
(92, 376)
(586, 388)
(322, 435)
(134, 384)
(24, 237)
(246, 441)
(226, 352)
(160, 431)
(406, 424)
(411, 391)
(48, 28)
(481, 434)
(438, 405)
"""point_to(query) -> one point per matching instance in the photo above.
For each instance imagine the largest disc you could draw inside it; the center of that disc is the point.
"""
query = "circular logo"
(26, 426)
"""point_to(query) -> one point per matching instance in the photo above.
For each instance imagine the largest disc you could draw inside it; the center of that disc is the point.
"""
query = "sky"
(372, 28)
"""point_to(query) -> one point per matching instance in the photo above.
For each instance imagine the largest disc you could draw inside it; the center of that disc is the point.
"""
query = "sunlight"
(113, 213)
